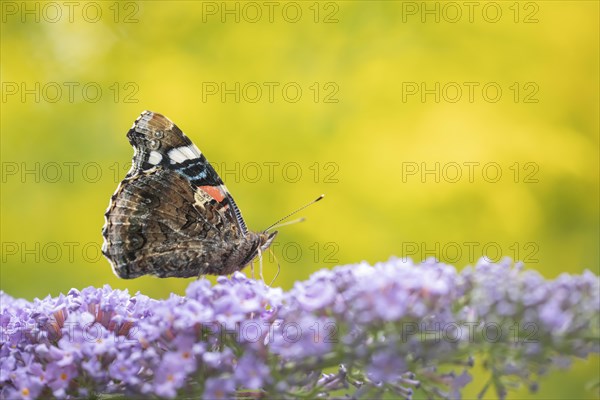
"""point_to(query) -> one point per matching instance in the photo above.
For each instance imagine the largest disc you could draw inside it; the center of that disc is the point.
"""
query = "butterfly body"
(172, 215)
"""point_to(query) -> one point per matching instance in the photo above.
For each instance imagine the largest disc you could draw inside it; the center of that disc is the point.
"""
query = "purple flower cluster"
(395, 327)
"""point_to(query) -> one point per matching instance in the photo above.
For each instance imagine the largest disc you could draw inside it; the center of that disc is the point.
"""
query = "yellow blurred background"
(448, 129)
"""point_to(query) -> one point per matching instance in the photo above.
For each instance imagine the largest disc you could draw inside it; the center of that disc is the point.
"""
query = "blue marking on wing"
(199, 172)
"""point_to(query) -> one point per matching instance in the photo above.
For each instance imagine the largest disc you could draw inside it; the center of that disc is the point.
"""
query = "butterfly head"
(265, 239)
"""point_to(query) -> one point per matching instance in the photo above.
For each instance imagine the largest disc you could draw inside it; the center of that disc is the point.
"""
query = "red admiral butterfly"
(172, 216)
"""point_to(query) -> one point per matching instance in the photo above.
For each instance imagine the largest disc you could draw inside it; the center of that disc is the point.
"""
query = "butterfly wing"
(154, 226)
(172, 215)
(159, 142)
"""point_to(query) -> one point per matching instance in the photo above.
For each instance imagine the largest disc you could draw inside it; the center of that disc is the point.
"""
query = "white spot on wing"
(155, 157)
(180, 154)
(177, 156)
(195, 150)
(188, 152)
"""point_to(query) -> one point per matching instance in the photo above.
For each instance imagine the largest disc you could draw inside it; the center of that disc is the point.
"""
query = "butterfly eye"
(154, 144)
(159, 134)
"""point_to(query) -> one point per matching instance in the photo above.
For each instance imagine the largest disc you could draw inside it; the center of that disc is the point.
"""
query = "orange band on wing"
(214, 191)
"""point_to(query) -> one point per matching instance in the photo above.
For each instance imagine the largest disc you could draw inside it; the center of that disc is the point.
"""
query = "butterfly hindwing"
(155, 227)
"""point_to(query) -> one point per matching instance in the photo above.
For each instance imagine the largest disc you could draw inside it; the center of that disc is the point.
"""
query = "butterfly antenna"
(292, 213)
(278, 267)
(295, 221)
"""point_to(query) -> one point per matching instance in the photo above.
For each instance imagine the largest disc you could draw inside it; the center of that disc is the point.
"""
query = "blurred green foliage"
(354, 133)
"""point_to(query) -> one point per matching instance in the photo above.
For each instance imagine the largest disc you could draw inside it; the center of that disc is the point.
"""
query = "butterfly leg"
(278, 267)
(260, 270)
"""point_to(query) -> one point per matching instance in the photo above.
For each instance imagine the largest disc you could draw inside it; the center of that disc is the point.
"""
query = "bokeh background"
(434, 129)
